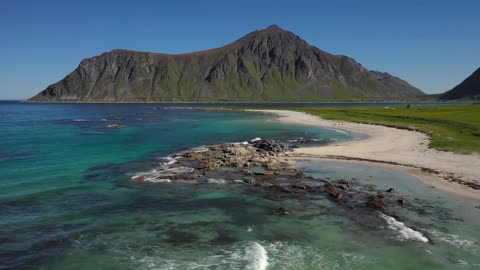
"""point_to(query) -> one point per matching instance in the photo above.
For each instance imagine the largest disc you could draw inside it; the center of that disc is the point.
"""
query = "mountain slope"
(468, 89)
(266, 65)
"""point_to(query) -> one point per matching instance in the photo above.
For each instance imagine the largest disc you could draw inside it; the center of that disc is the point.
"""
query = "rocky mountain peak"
(271, 64)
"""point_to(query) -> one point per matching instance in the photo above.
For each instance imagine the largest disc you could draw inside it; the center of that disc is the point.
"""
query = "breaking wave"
(405, 232)
(246, 255)
(216, 181)
(257, 255)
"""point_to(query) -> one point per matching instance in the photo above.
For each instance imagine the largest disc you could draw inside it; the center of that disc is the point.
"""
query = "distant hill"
(468, 89)
(266, 65)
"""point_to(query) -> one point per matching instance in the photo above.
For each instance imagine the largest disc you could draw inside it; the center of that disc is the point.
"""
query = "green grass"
(451, 128)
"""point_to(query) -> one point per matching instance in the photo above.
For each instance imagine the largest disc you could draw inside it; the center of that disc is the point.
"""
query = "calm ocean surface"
(67, 202)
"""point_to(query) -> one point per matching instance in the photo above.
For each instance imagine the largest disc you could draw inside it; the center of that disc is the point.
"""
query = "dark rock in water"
(249, 181)
(390, 190)
(279, 166)
(344, 184)
(281, 181)
(309, 142)
(332, 191)
(245, 172)
(300, 175)
(299, 187)
(375, 202)
(284, 189)
(271, 146)
(242, 156)
(283, 211)
(263, 173)
(186, 176)
(478, 206)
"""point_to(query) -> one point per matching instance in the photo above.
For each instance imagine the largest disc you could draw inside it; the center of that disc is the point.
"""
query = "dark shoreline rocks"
(263, 165)
(263, 168)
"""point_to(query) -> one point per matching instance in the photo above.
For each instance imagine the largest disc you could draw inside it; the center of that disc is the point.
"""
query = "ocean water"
(67, 201)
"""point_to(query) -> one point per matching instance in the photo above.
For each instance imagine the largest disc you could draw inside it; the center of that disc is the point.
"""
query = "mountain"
(266, 65)
(468, 89)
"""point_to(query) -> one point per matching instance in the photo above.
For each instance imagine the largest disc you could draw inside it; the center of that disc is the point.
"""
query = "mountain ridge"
(467, 89)
(270, 64)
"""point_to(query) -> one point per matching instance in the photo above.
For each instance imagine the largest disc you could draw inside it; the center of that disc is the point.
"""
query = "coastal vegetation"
(451, 128)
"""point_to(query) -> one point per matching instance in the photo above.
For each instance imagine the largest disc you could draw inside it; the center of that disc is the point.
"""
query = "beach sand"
(392, 148)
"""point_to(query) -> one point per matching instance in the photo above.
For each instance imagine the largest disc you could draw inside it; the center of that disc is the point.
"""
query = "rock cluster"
(271, 147)
(262, 164)
(261, 153)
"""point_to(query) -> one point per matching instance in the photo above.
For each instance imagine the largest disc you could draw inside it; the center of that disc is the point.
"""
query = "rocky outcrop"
(263, 165)
(261, 153)
(266, 65)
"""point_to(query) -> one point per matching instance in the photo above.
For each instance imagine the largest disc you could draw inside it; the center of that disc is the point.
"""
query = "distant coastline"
(242, 102)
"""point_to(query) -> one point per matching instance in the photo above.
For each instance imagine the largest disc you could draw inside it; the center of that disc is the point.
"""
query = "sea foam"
(453, 239)
(215, 181)
(169, 160)
(257, 257)
(157, 180)
(405, 232)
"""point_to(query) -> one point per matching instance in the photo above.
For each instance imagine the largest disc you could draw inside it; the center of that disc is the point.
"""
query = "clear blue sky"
(432, 44)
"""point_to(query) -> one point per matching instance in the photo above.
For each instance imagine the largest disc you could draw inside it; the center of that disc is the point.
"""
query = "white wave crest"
(170, 160)
(256, 139)
(245, 142)
(157, 180)
(453, 239)
(215, 181)
(257, 257)
(405, 232)
(199, 149)
(137, 177)
(160, 175)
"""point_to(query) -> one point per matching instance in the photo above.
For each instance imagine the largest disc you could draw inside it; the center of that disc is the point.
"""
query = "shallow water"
(67, 202)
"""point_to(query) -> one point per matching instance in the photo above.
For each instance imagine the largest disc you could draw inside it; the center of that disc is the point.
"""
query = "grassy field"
(451, 128)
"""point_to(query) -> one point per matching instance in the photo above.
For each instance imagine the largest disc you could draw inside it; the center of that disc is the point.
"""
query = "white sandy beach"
(385, 144)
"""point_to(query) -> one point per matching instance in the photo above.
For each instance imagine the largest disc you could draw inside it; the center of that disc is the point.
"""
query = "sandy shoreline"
(397, 149)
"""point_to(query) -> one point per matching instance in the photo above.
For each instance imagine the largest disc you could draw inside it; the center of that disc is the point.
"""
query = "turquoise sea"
(67, 201)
